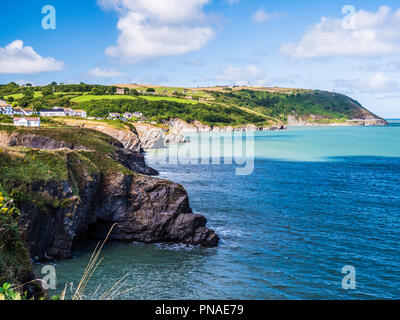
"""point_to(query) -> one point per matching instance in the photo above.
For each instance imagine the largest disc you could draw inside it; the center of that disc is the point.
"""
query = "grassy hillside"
(303, 103)
(213, 106)
(164, 110)
(25, 166)
(88, 97)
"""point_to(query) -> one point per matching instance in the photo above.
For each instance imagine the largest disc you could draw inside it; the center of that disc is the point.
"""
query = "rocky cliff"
(196, 126)
(315, 120)
(126, 135)
(137, 137)
(81, 182)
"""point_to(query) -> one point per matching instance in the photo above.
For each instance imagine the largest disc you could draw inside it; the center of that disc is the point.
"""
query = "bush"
(7, 293)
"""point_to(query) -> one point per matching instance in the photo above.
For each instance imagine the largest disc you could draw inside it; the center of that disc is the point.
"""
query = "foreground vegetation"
(15, 264)
(21, 169)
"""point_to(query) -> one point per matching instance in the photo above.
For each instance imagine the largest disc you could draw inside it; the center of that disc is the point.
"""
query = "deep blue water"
(318, 199)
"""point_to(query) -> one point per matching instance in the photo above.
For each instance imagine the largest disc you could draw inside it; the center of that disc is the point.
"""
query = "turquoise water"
(318, 199)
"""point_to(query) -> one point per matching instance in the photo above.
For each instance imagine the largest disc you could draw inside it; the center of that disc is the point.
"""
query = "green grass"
(88, 97)
(25, 166)
(172, 99)
(37, 94)
(331, 107)
(171, 90)
(28, 165)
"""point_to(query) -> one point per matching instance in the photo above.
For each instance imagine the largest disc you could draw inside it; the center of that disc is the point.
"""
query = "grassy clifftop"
(300, 103)
(74, 147)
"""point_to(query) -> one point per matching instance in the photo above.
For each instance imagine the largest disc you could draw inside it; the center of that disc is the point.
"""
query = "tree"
(29, 94)
(28, 85)
(150, 90)
(96, 91)
(54, 83)
(10, 99)
(47, 91)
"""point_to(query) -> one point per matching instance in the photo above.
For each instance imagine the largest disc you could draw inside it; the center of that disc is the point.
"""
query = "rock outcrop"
(317, 120)
(128, 137)
(153, 137)
(196, 127)
(145, 209)
(150, 136)
(98, 190)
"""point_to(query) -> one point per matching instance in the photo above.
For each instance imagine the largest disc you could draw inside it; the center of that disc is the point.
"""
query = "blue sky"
(209, 42)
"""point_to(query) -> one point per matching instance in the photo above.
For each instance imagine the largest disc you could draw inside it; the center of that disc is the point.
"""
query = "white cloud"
(262, 16)
(15, 58)
(373, 34)
(377, 83)
(242, 75)
(105, 74)
(156, 28)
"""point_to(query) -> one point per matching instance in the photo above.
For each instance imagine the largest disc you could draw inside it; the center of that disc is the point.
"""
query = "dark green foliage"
(10, 88)
(166, 110)
(14, 258)
(5, 119)
(47, 91)
(302, 103)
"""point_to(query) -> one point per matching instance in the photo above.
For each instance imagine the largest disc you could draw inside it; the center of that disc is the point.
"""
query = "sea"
(317, 216)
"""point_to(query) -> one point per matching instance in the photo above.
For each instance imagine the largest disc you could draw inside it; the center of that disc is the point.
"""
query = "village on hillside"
(23, 117)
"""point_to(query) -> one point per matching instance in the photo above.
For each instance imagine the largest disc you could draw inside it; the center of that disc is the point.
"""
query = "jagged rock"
(196, 126)
(150, 137)
(174, 136)
(86, 200)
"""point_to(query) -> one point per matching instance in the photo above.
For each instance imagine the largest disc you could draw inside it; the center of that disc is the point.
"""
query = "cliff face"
(180, 125)
(137, 138)
(128, 137)
(92, 190)
(315, 120)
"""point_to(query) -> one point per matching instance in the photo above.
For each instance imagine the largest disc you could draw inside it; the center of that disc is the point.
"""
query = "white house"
(120, 91)
(138, 115)
(27, 112)
(27, 122)
(127, 115)
(114, 115)
(56, 112)
(79, 113)
(6, 109)
(19, 112)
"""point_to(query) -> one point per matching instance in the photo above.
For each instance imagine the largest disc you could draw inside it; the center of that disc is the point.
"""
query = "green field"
(89, 97)
(172, 99)
(16, 96)
(172, 90)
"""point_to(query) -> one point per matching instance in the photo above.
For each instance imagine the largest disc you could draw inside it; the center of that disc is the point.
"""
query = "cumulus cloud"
(105, 74)
(242, 75)
(16, 58)
(156, 28)
(262, 16)
(373, 33)
(377, 83)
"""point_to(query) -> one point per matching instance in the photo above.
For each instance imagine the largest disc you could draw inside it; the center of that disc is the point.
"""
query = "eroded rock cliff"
(78, 187)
